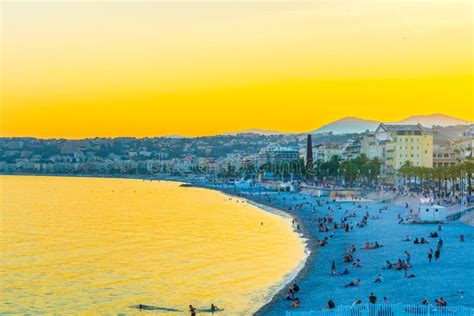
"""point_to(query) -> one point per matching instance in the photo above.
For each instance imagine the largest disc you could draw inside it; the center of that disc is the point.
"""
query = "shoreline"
(294, 276)
(309, 242)
(301, 269)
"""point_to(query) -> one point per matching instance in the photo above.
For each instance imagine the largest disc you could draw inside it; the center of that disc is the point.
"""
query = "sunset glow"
(78, 70)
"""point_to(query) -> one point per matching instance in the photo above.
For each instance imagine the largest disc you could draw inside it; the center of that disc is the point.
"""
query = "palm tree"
(468, 168)
(406, 171)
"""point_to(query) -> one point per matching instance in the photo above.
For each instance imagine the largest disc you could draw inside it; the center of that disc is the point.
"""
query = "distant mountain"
(356, 125)
(348, 125)
(433, 120)
(256, 131)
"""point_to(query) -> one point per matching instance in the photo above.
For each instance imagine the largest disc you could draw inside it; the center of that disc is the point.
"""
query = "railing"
(458, 215)
(388, 310)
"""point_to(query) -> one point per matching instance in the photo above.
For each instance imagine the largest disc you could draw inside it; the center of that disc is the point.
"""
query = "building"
(396, 144)
(324, 152)
(443, 151)
(464, 146)
(278, 155)
(352, 149)
(369, 146)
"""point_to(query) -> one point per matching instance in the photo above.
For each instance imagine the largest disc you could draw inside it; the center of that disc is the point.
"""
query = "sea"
(74, 245)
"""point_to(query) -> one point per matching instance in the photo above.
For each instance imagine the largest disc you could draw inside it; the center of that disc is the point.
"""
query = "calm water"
(102, 245)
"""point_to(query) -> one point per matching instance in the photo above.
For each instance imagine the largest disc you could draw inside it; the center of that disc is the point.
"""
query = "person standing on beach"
(440, 244)
(430, 255)
(192, 310)
(333, 267)
(408, 256)
(437, 254)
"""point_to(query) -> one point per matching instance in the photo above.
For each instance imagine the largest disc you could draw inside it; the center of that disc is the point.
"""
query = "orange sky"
(201, 68)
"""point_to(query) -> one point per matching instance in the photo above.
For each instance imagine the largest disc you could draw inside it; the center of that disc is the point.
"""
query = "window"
(411, 155)
(412, 147)
(426, 151)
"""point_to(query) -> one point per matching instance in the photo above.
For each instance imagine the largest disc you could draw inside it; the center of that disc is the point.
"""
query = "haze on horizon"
(110, 69)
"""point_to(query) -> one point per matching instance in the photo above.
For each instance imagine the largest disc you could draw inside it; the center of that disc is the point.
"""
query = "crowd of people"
(328, 226)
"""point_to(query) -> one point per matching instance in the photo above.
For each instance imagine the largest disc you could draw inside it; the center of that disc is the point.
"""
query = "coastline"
(300, 271)
(297, 274)
(310, 273)
(309, 241)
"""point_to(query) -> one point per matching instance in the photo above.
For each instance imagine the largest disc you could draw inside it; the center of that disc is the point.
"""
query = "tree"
(406, 170)
(468, 168)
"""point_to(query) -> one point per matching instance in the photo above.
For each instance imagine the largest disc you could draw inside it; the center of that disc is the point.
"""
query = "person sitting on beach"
(434, 235)
(416, 241)
(290, 295)
(330, 305)
(295, 288)
(344, 272)
(353, 283)
(389, 265)
(441, 302)
(357, 264)
(424, 241)
(296, 303)
(425, 302)
(357, 302)
(348, 258)
(379, 278)
(372, 298)
(398, 265)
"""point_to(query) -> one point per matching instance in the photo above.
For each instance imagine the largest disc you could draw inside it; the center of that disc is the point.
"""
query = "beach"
(447, 278)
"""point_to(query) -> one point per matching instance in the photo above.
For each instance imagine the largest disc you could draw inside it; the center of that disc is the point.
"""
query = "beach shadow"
(208, 310)
(155, 308)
